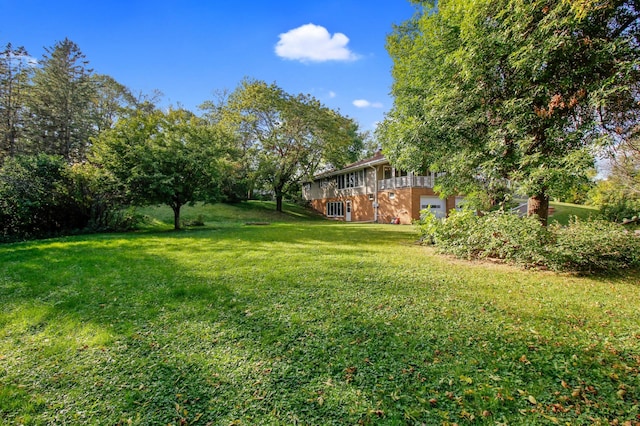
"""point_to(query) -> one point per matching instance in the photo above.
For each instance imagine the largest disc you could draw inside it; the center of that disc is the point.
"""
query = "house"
(371, 190)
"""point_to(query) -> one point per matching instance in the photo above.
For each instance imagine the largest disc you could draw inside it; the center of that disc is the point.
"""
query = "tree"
(287, 138)
(625, 163)
(239, 181)
(112, 101)
(171, 158)
(60, 103)
(618, 196)
(370, 144)
(33, 199)
(512, 91)
(15, 71)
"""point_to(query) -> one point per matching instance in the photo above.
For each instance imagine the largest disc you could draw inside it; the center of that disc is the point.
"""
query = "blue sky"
(331, 49)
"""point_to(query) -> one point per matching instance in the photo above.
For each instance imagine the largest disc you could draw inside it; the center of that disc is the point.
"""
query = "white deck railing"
(406, 182)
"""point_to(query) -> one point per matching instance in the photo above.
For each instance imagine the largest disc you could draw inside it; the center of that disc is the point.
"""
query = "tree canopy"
(60, 103)
(15, 73)
(511, 91)
(287, 137)
(171, 158)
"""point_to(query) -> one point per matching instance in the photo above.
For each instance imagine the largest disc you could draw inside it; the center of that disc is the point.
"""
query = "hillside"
(222, 214)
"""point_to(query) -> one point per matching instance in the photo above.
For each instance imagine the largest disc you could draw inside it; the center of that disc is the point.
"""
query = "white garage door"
(437, 205)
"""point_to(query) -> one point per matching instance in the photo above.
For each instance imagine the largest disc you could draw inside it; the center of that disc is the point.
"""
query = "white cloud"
(363, 103)
(313, 43)
(332, 94)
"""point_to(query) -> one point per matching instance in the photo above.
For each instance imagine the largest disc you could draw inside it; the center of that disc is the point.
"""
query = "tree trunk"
(539, 204)
(176, 217)
(279, 203)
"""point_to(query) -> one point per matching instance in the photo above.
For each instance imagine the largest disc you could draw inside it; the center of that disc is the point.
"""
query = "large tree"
(172, 158)
(60, 103)
(112, 101)
(288, 137)
(15, 72)
(517, 91)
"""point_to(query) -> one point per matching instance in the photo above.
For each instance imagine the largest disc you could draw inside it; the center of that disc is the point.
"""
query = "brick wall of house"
(403, 204)
(361, 207)
(395, 203)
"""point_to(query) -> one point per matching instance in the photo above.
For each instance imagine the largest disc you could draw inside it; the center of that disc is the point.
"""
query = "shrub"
(43, 196)
(32, 196)
(625, 209)
(506, 236)
(495, 235)
(456, 234)
(582, 246)
(198, 221)
(99, 198)
(427, 226)
(594, 246)
(614, 201)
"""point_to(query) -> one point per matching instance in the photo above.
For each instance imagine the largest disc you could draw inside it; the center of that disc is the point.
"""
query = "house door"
(438, 206)
(348, 211)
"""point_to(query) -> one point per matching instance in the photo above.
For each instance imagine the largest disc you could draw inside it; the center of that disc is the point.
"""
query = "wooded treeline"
(77, 147)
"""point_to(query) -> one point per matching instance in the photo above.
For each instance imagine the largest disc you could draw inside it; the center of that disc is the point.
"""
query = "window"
(351, 180)
(335, 209)
(387, 172)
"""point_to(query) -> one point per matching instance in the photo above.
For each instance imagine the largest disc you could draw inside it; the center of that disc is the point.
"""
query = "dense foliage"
(517, 91)
(618, 196)
(77, 147)
(582, 246)
(285, 138)
(33, 197)
(614, 201)
(43, 195)
(170, 158)
(55, 105)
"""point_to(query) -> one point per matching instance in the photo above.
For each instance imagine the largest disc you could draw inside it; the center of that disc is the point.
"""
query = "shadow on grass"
(280, 324)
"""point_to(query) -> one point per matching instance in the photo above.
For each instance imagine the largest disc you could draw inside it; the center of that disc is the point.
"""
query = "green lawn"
(220, 215)
(564, 211)
(305, 322)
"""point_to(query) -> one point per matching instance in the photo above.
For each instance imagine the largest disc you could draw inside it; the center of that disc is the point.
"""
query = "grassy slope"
(310, 322)
(564, 211)
(218, 215)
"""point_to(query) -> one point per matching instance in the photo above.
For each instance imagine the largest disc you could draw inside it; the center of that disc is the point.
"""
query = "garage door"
(437, 205)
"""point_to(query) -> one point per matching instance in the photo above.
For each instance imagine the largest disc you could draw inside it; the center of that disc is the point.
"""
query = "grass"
(564, 211)
(305, 322)
(221, 215)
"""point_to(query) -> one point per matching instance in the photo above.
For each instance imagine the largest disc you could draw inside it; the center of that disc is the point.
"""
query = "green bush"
(506, 236)
(495, 235)
(100, 199)
(32, 196)
(427, 226)
(614, 201)
(582, 246)
(594, 246)
(198, 221)
(625, 209)
(43, 196)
